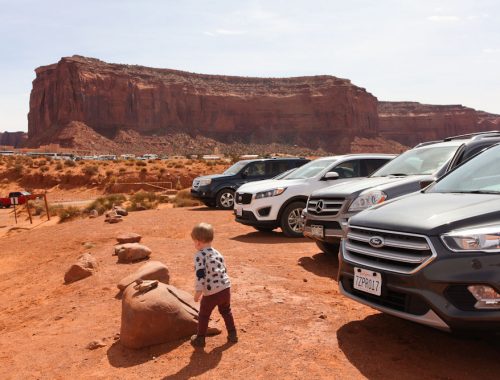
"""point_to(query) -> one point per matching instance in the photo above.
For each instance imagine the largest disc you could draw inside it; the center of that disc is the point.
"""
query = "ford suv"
(328, 210)
(267, 205)
(432, 257)
(217, 190)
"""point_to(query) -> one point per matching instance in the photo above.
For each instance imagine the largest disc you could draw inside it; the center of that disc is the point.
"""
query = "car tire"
(290, 221)
(264, 229)
(225, 199)
(331, 249)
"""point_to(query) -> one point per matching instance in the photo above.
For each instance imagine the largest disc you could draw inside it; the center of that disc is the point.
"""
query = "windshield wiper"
(398, 174)
(477, 192)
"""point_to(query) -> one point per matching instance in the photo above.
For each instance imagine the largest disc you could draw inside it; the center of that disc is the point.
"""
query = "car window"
(255, 169)
(234, 169)
(310, 169)
(348, 169)
(277, 167)
(368, 166)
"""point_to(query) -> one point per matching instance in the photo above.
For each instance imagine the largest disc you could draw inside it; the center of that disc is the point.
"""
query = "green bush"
(143, 200)
(68, 213)
(103, 204)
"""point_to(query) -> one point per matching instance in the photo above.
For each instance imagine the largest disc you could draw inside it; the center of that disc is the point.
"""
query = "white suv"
(266, 205)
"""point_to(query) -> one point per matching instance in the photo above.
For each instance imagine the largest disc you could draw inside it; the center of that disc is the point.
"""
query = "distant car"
(217, 190)
(22, 198)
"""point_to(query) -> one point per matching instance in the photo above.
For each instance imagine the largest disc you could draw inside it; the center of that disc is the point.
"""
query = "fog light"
(486, 296)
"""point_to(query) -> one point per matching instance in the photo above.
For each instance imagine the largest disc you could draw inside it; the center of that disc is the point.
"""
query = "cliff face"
(319, 111)
(410, 123)
(15, 139)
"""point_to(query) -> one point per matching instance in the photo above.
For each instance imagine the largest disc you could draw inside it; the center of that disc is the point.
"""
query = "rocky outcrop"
(317, 111)
(410, 123)
(14, 139)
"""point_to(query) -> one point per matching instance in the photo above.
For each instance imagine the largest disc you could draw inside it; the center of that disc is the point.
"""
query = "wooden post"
(29, 211)
(15, 214)
(46, 206)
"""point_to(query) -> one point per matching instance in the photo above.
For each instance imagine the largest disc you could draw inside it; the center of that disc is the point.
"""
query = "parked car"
(22, 198)
(266, 205)
(329, 209)
(432, 257)
(217, 190)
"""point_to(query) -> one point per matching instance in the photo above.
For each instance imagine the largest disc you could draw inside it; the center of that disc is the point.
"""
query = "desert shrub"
(129, 163)
(59, 166)
(19, 169)
(122, 170)
(179, 165)
(163, 170)
(37, 207)
(90, 170)
(70, 163)
(68, 213)
(44, 168)
(143, 200)
(183, 199)
(103, 204)
(144, 171)
(42, 162)
(81, 163)
(109, 173)
(141, 163)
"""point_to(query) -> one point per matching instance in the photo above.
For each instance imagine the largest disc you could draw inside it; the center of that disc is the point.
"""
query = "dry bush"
(44, 168)
(103, 204)
(141, 163)
(143, 200)
(70, 163)
(59, 166)
(109, 173)
(183, 199)
(68, 213)
(90, 170)
(122, 170)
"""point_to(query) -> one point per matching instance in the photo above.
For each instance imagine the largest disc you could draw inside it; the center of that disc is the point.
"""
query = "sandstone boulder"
(153, 270)
(120, 211)
(84, 267)
(128, 237)
(160, 315)
(113, 219)
(130, 252)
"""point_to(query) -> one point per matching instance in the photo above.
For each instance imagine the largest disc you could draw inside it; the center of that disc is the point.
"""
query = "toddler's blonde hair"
(203, 232)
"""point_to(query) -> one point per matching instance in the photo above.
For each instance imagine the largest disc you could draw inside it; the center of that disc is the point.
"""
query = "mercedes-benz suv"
(329, 210)
(432, 257)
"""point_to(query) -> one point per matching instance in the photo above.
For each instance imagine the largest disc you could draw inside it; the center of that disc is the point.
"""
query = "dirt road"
(292, 322)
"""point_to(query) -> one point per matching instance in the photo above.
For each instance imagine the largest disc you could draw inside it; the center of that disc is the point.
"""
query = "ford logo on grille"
(319, 206)
(376, 241)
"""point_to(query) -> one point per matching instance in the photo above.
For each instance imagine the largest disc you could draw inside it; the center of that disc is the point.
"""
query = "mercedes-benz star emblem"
(319, 206)
(376, 241)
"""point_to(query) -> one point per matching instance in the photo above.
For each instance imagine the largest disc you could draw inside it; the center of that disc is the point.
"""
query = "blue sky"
(436, 52)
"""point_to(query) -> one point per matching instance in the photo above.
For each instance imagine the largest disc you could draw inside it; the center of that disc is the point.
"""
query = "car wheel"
(264, 229)
(291, 222)
(328, 248)
(225, 199)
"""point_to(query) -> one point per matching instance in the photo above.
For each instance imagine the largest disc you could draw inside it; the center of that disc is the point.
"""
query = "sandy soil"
(292, 322)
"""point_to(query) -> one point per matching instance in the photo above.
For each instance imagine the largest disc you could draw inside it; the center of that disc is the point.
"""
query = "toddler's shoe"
(232, 337)
(198, 341)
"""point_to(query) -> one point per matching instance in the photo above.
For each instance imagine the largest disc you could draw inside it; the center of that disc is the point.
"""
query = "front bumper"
(248, 218)
(334, 227)
(436, 295)
(203, 193)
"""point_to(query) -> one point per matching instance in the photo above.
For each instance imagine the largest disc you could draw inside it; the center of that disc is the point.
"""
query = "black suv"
(217, 190)
(432, 257)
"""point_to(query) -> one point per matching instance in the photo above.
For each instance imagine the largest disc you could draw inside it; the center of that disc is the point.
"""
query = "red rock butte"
(85, 96)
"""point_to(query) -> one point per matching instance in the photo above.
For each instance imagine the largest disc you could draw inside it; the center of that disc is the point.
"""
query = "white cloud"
(437, 18)
(491, 51)
(224, 32)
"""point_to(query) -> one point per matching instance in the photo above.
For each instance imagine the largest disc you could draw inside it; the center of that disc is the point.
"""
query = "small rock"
(304, 279)
(322, 316)
(84, 267)
(95, 344)
(93, 214)
(120, 211)
(113, 219)
(131, 252)
(128, 237)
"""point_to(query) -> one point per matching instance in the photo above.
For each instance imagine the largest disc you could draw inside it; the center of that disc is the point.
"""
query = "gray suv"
(329, 210)
(432, 257)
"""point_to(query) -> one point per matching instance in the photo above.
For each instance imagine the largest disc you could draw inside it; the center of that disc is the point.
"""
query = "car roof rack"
(475, 135)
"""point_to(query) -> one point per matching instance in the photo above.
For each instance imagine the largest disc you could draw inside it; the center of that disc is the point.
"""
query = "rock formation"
(318, 111)
(14, 139)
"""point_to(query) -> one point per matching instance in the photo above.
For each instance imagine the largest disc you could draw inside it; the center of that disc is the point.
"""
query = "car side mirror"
(425, 183)
(331, 175)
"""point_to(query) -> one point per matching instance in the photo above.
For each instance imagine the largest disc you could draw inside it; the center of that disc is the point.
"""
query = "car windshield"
(235, 169)
(425, 160)
(284, 174)
(310, 169)
(479, 175)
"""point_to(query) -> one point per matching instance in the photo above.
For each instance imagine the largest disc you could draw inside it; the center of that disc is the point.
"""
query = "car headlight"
(205, 181)
(270, 193)
(485, 238)
(368, 199)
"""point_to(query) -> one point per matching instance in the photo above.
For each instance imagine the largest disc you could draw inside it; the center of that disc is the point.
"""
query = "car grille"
(324, 206)
(392, 251)
(243, 198)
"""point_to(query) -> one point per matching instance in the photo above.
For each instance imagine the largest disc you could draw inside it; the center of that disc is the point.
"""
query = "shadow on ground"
(273, 237)
(385, 347)
(122, 357)
(321, 264)
(199, 363)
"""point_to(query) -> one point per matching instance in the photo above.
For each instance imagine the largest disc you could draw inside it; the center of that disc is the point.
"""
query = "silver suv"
(328, 210)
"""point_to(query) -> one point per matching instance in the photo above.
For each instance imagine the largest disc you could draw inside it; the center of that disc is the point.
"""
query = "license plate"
(239, 211)
(317, 231)
(367, 281)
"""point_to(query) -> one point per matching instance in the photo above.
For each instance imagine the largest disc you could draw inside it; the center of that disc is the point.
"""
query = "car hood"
(431, 213)
(268, 184)
(213, 176)
(357, 185)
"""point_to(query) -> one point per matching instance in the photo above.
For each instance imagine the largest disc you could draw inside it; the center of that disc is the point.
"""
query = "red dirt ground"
(292, 322)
